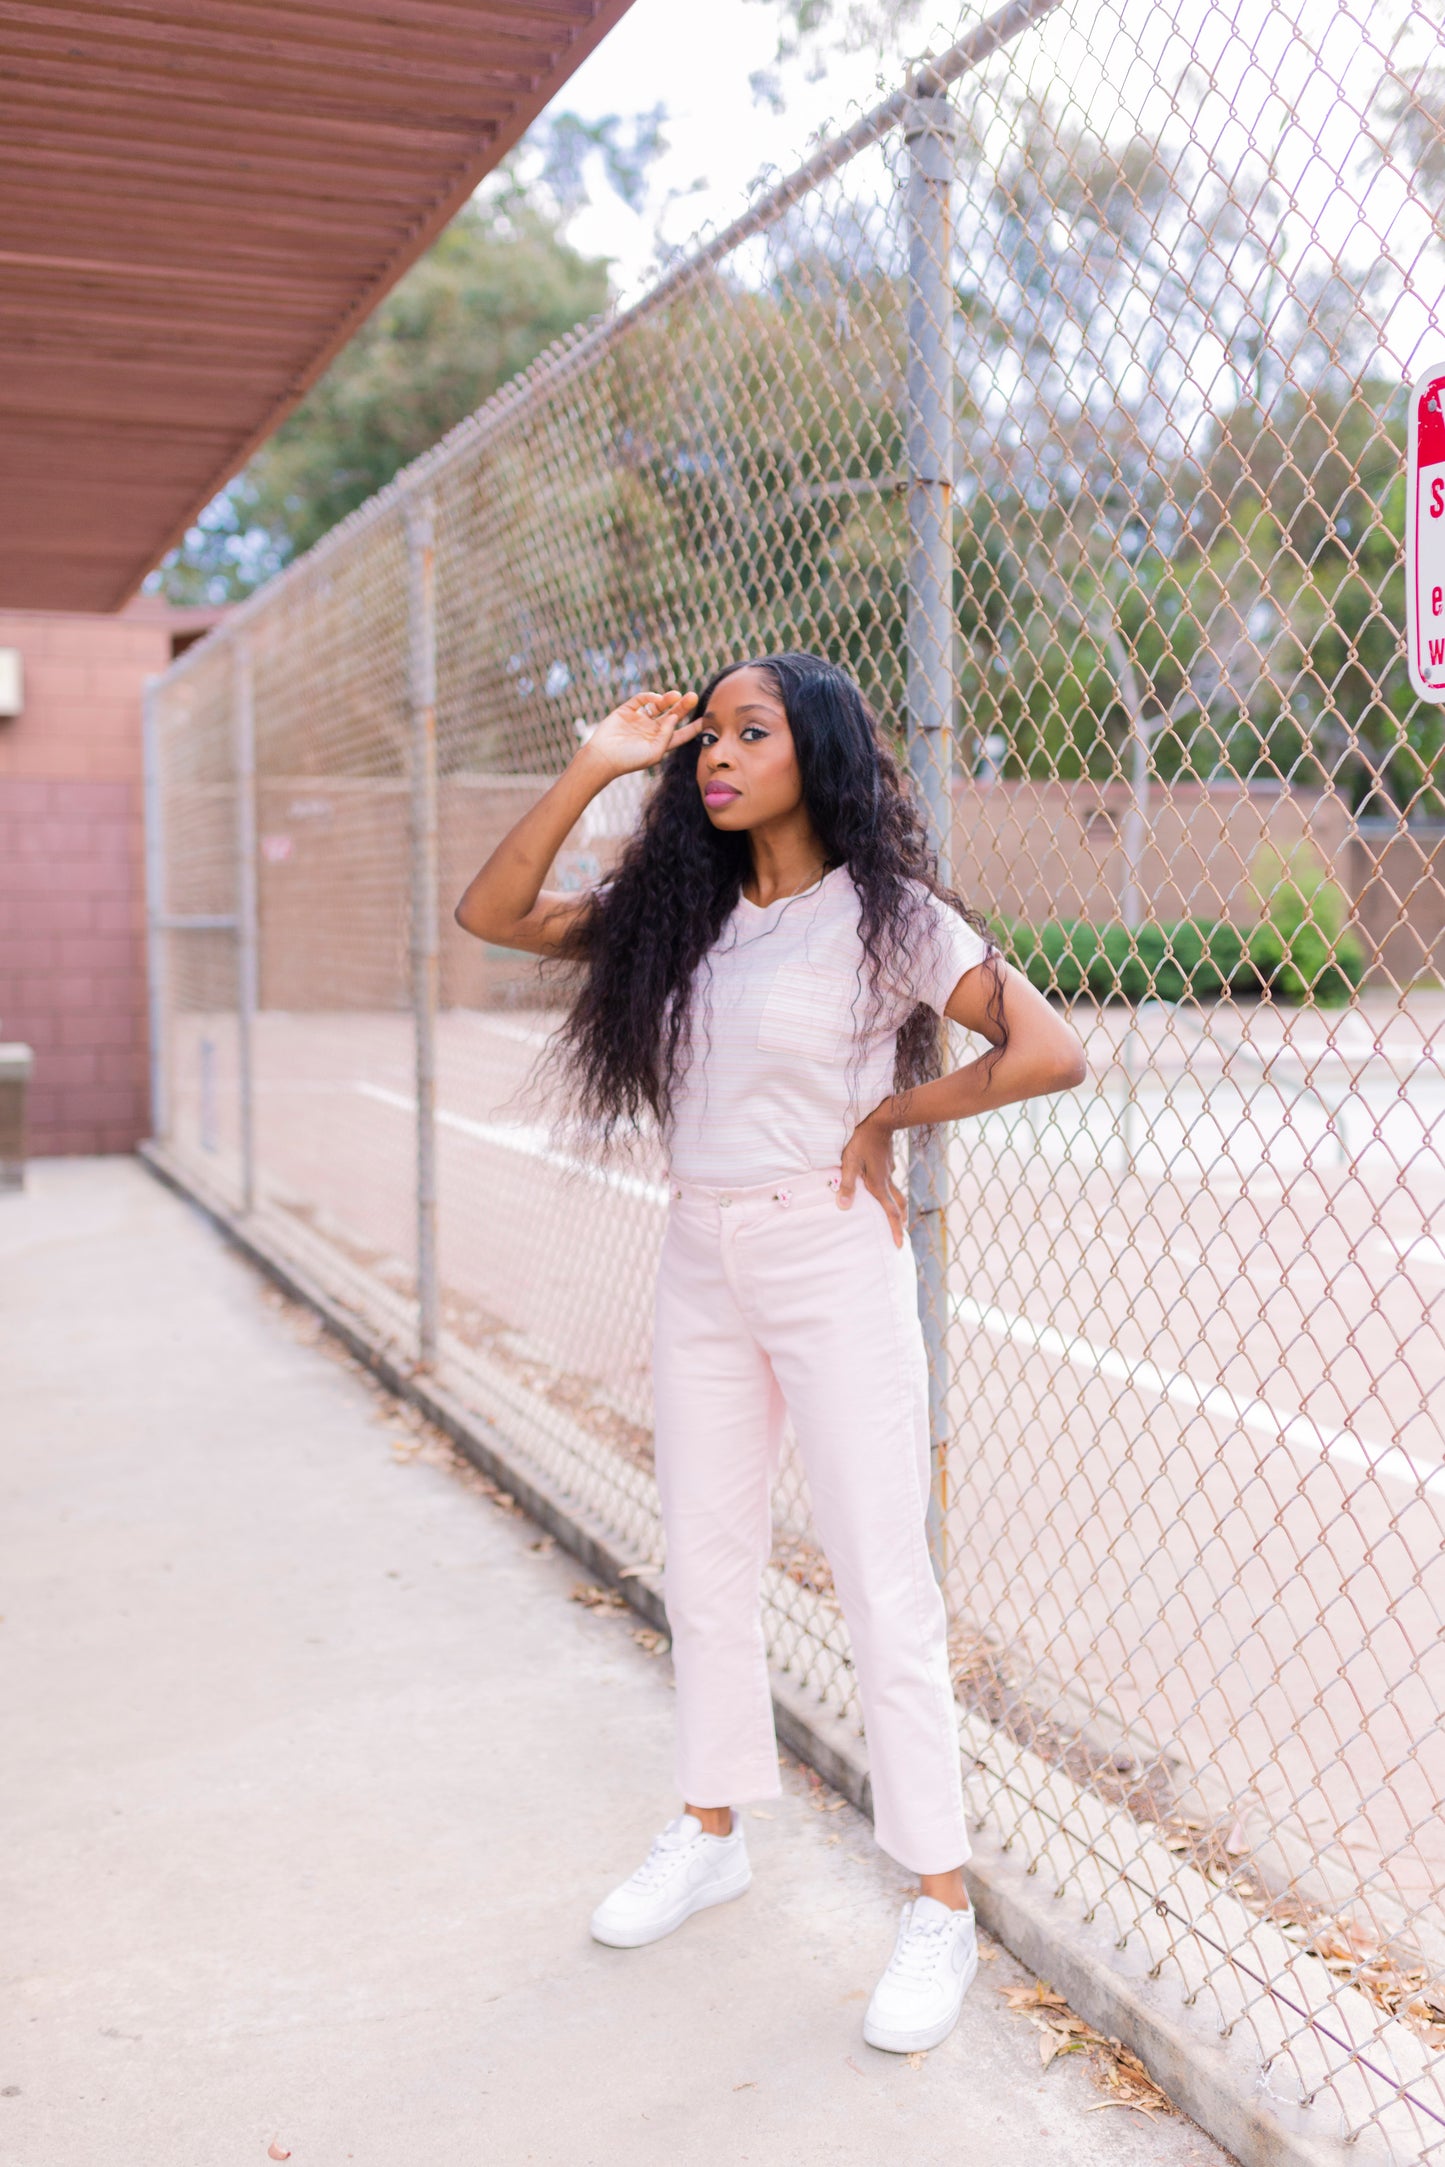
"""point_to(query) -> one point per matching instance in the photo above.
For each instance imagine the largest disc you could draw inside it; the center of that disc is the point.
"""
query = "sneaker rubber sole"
(715, 1892)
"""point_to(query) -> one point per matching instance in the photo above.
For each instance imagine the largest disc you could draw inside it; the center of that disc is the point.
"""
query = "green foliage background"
(498, 287)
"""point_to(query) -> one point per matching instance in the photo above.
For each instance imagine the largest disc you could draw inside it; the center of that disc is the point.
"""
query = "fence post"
(929, 132)
(421, 616)
(1135, 835)
(244, 721)
(155, 909)
(1134, 838)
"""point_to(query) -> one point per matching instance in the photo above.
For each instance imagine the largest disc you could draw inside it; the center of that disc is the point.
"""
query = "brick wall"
(1030, 849)
(72, 889)
(1398, 881)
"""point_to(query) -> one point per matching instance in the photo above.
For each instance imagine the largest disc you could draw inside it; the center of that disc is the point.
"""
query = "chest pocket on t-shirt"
(811, 1010)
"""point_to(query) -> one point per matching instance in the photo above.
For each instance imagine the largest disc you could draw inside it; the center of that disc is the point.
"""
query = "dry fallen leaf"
(651, 1643)
(594, 1598)
(1038, 1996)
(916, 2061)
(759, 1815)
(750, 2086)
(1111, 2063)
(276, 2150)
(852, 2065)
(543, 1547)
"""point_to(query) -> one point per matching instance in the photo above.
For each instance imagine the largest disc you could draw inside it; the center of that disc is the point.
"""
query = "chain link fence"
(1062, 400)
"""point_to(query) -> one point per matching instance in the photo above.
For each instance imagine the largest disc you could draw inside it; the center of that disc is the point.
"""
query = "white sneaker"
(916, 2002)
(685, 1871)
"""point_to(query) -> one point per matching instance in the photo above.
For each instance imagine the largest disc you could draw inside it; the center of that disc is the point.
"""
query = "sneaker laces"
(662, 1857)
(920, 1945)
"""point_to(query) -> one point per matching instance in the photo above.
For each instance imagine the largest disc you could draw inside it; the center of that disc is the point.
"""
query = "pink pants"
(774, 1301)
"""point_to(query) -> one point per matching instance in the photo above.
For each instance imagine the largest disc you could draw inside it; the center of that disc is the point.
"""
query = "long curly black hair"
(643, 934)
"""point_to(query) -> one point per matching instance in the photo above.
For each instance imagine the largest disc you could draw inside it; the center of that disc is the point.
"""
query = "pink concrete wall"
(72, 900)
(1033, 849)
(1397, 880)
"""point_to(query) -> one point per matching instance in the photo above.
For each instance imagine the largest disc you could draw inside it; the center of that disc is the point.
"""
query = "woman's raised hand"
(639, 732)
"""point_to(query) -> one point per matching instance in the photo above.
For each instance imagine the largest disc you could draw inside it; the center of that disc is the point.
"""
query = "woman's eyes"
(750, 730)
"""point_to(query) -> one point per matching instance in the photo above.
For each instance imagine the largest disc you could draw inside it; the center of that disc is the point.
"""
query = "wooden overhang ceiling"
(198, 205)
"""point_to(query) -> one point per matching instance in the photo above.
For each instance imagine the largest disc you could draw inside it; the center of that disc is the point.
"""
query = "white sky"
(1294, 75)
(695, 58)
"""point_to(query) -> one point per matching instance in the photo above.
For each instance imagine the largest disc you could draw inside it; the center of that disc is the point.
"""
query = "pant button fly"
(724, 1199)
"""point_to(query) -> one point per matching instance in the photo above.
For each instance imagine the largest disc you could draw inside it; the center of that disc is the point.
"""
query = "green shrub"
(1302, 952)
(1194, 959)
(1321, 959)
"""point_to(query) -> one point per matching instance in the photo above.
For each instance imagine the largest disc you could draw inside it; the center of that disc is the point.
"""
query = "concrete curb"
(1215, 2080)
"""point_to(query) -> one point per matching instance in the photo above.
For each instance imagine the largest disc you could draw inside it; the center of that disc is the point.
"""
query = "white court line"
(1419, 1249)
(1321, 1440)
(1285, 1425)
(527, 1143)
(525, 1034)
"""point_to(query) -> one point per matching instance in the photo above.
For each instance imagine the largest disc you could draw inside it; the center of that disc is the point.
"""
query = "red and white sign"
(1425, 536)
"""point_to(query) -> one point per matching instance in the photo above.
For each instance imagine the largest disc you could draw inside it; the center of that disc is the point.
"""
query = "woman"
(762, 977)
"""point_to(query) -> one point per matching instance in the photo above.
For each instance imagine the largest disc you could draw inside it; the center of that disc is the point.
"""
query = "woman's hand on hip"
(868, 1157)
(641, 731)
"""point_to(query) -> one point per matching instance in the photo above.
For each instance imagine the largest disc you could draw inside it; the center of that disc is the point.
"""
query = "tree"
(499, 285)
(813, 32)
(1309, 497)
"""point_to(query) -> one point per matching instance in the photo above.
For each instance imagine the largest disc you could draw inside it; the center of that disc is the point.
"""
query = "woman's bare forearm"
(1034, 1052)
(1025, 1072)
(1042, 1053)
(506, 902)
(1045, 1061)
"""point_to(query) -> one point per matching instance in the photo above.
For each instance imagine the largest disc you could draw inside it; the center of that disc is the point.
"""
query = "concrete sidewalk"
(316, 1772)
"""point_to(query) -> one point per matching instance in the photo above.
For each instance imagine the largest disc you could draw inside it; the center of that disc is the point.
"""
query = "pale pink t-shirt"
(784, 1060)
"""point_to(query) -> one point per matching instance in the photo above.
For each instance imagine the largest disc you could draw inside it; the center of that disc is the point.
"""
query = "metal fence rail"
(1061, 399)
